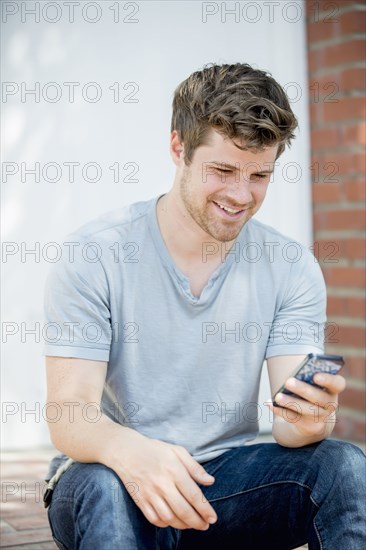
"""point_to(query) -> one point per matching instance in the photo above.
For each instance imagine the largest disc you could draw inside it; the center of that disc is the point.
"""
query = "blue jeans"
(265, 496)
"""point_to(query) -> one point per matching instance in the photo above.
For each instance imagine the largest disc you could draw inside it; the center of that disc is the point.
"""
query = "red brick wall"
(336, 64)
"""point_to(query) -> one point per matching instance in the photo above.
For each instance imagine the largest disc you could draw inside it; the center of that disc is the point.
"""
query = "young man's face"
(224, 186)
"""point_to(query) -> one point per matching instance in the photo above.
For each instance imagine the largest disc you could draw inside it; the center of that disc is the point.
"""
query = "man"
(165, 323)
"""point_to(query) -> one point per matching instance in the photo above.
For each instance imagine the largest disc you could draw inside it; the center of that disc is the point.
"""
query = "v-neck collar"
(181, 280)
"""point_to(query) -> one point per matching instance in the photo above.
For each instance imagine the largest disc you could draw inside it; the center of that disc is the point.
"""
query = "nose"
(239, 192)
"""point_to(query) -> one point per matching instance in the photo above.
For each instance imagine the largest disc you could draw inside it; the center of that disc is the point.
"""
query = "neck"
(183, 237)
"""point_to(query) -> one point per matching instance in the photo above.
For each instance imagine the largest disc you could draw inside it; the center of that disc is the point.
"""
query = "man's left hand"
(313, 412)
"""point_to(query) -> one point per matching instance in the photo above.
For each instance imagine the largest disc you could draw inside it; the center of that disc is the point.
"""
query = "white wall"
(167, 41)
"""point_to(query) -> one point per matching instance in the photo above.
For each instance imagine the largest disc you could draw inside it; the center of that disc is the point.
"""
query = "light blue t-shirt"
(182, 369)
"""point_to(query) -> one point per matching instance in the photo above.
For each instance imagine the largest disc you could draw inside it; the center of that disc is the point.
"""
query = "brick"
(325, 89)
(344, 335)
(314, 61)
(350, 306)
(353, 398)
(355, 307)
(352, 22)
(340, 219)
(337, 54)
(5, 527)
(325, 168)
(323, 85)
(352, 50)
(352, 79)
(325, 138)
(13, 504)
(344, 109)
(349, 428)
(332, 250)
(326, 192)
(328, 250)
(351, 336)
(354, 248)
(354, 134)
(316, 116)
(317, 30)
(355, 190)
(30, 521)
(353, 277)
(355, 367)
(330, 167)
(26, 537)
(335, 306)
(327, 11)
(329, 87)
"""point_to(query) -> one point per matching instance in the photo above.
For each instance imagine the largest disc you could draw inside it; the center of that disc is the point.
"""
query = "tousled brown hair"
(238, 101)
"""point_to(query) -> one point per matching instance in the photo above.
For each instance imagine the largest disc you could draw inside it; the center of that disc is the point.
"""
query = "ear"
(176, 148)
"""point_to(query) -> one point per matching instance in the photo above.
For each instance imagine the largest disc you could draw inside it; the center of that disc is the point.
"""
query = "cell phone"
(312, 364)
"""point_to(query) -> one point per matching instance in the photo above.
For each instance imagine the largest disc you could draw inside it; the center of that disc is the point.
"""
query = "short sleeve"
(298, 325)
(76, 305)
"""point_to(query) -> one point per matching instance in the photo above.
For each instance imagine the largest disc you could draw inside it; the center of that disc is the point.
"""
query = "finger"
(167, 515)
(306, 391)
(150, 514)
(194, 468)
(186, 483)
(185, 511)
(195, 498)
(334, 383)
(305, 409)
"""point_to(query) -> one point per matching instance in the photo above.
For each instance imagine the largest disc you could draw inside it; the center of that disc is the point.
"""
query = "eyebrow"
(235, 168)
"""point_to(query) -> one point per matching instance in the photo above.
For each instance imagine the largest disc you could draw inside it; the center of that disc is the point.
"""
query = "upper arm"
(299, 318)
(280, 368)
(69, 378)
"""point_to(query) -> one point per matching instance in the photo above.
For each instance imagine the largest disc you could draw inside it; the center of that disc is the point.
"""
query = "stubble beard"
(209, 222)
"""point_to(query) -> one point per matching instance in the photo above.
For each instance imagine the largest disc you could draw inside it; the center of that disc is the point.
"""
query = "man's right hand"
(163, 481)
(162, 478)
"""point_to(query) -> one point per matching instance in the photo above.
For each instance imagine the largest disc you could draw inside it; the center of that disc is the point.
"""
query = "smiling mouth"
(229, 210)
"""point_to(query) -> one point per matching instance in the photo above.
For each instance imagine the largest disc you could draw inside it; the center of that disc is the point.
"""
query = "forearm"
(287, 434)
(90, 436)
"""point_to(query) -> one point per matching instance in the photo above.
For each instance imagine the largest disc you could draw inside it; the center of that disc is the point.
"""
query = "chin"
(224, 237)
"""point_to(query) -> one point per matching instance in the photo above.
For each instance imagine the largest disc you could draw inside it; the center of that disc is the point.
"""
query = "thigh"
(92, 509)
(261, 496)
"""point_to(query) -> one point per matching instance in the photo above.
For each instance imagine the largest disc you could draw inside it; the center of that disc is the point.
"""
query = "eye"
(222, 171)
(260, 176)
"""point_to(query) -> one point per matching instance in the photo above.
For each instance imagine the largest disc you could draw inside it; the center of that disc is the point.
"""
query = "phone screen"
(312, 364)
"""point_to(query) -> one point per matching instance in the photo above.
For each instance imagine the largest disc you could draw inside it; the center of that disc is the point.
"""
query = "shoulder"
(277, 247)
(114, 222)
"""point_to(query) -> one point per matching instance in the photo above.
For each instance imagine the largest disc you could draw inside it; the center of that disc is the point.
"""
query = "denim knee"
(344, 456)
(92, 509)
(343, 464)
(99, 480)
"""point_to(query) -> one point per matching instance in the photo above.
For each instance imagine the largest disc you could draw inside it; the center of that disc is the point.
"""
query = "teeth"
(230, 210)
